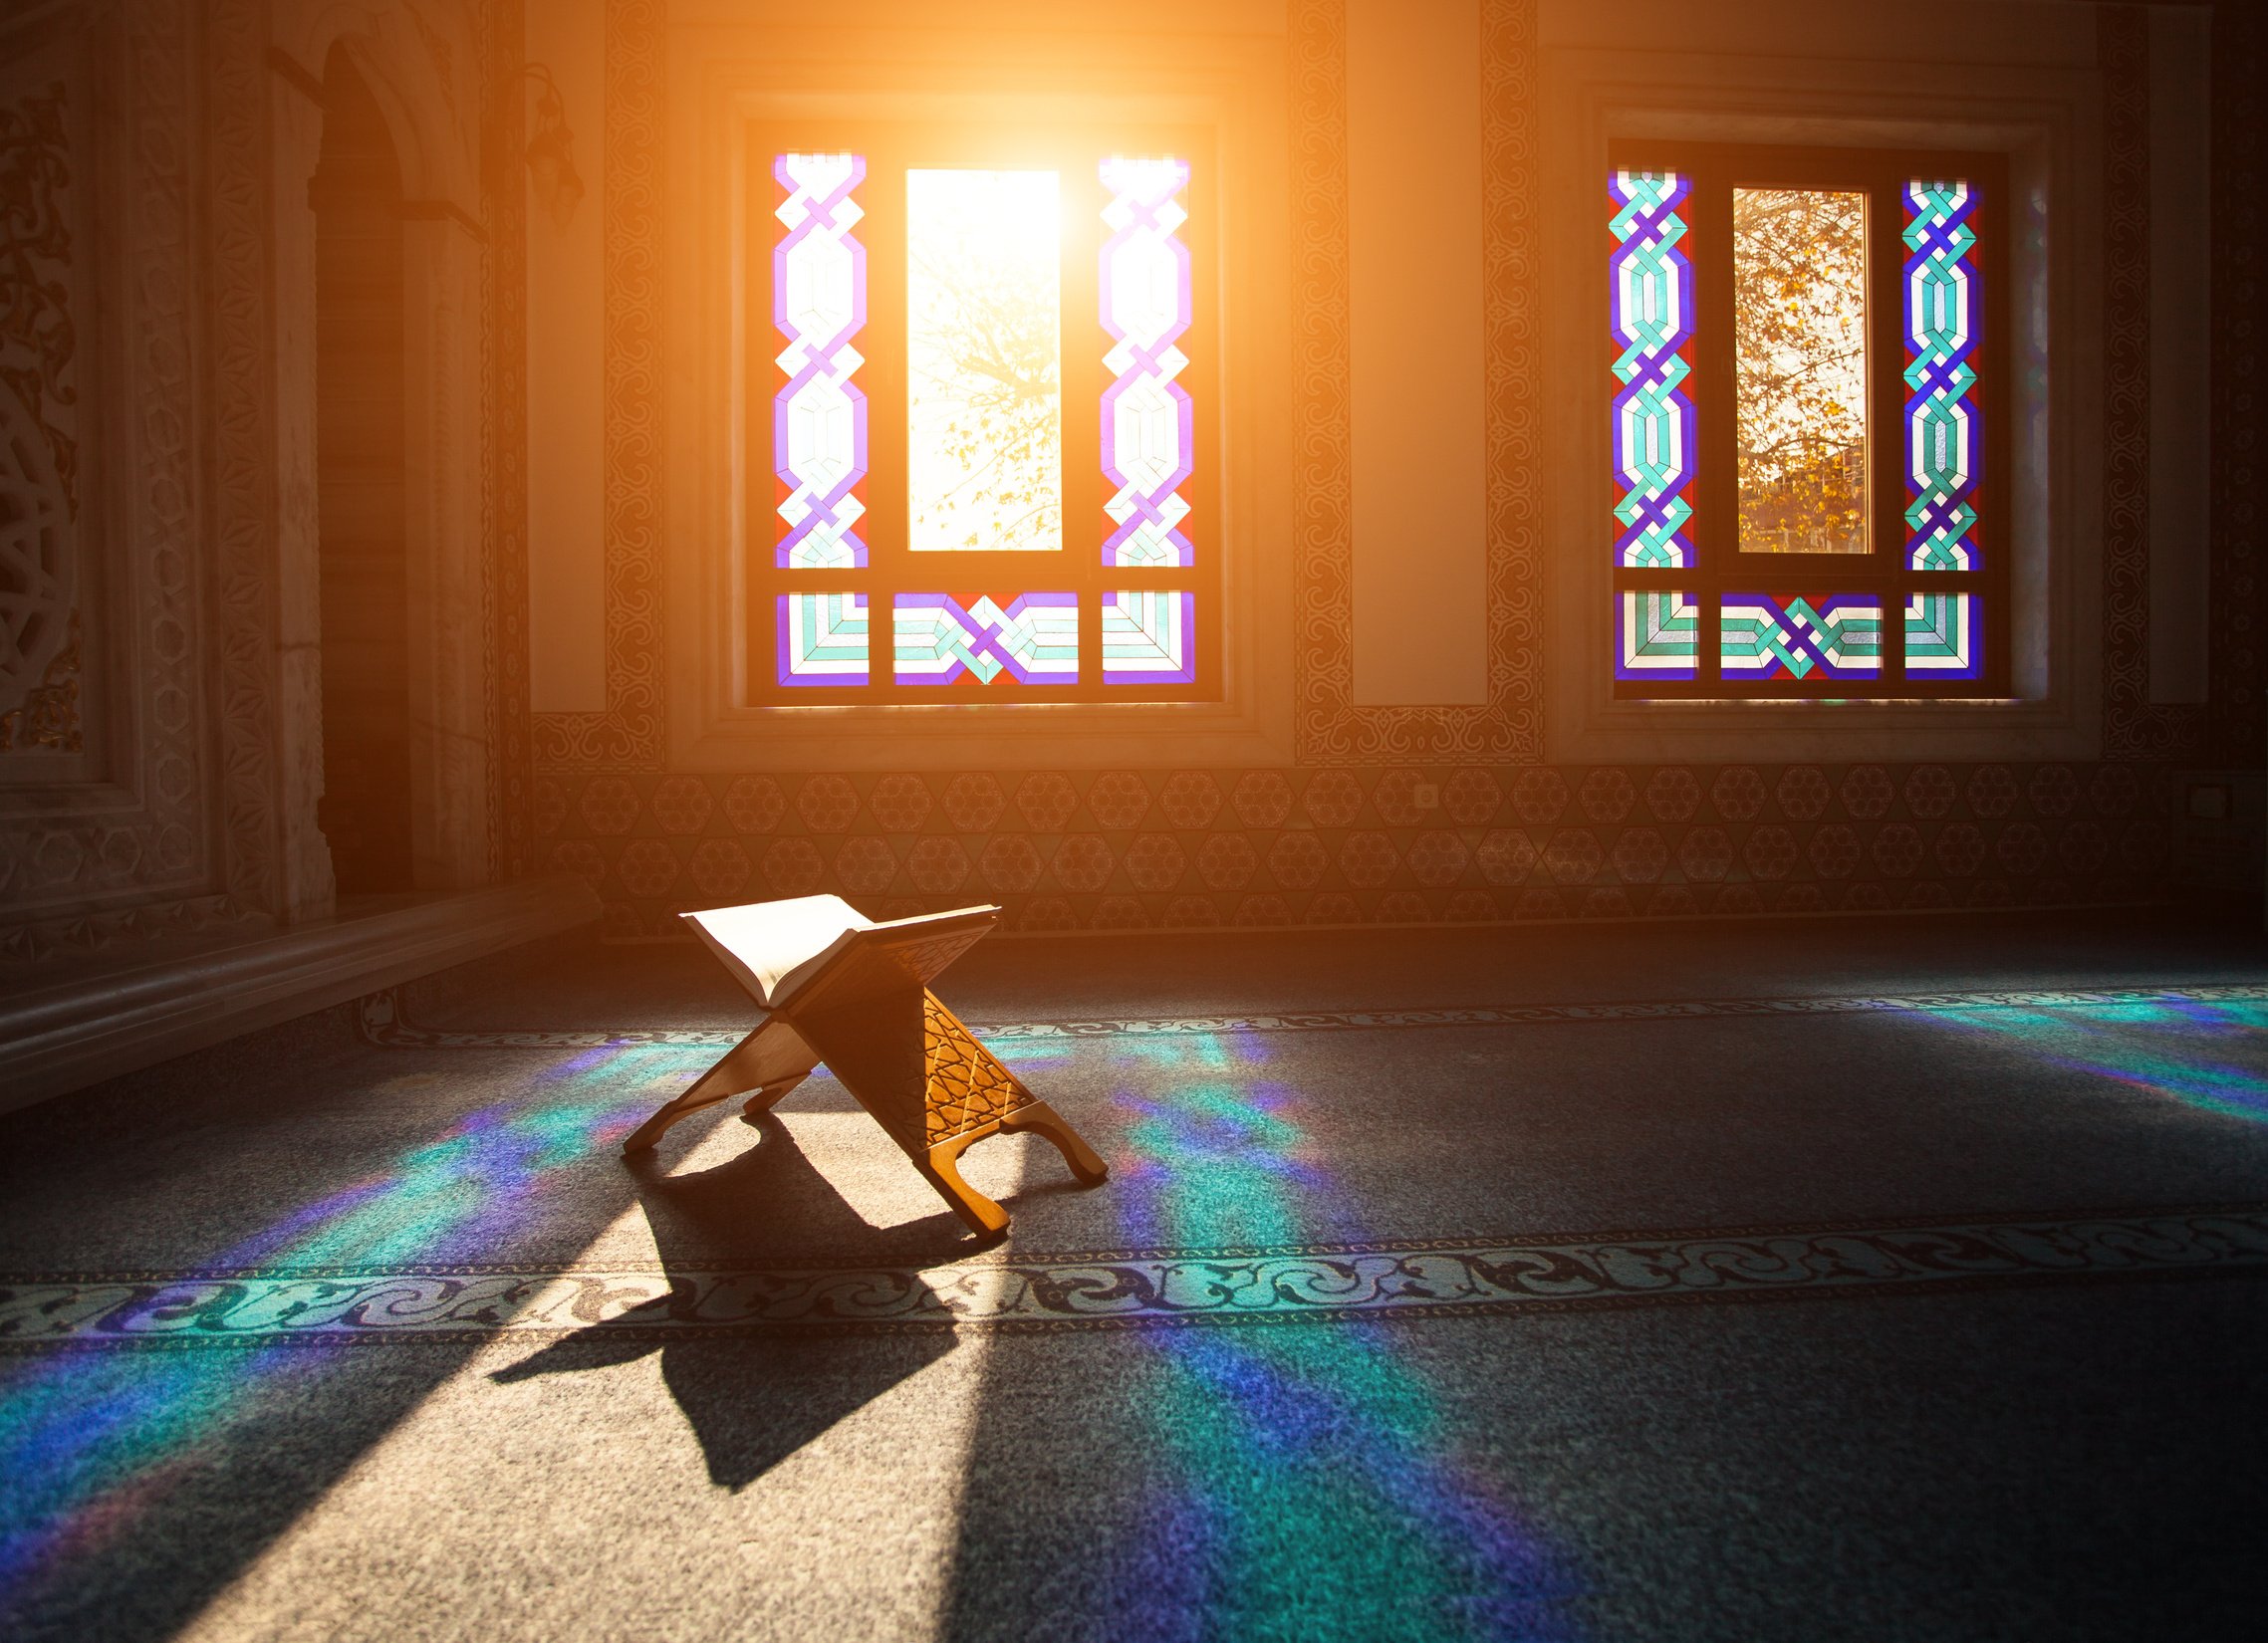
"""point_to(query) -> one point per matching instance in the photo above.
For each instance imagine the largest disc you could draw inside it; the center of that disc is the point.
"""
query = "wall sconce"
(551, 151)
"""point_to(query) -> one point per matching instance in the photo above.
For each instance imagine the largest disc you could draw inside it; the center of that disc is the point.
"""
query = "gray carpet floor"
(1897, 1280)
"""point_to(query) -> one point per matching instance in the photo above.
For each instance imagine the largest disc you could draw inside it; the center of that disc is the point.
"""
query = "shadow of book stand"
(862, 1005)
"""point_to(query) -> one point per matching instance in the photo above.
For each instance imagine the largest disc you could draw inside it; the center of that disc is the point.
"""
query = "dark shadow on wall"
(360, 453)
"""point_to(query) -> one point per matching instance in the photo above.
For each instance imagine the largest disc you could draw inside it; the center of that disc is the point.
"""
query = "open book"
(774, 947)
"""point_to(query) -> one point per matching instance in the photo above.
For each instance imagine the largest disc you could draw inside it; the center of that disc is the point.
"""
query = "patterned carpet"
(362, 1329)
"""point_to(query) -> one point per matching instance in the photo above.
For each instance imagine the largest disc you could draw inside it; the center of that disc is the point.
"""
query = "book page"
(764, 941)
(774, 947)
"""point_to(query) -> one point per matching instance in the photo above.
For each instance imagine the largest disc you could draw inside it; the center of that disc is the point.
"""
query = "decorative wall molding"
(627, 735)
(2134, 727)
(1276, 849)
(1330, 729)
(242, 501)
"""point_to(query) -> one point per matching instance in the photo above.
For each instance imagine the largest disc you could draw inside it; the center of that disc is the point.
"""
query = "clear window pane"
(1800, 303)
(984, 406)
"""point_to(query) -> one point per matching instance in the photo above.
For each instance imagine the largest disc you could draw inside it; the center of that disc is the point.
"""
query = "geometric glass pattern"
(823, 639)
(1652, 298)
(1150, 636)
(996, 373)
(1942, 436)
(1793, 636)
(1034, 639)
(1149, 421)
(1943, 639)
(1657, 634)
(819, 416)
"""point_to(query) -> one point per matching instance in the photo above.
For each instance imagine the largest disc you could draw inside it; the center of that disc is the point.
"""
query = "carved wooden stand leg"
(771, 1061)
(910, 1062)
(938, 1092)
(939, 1165)
(967, 1096)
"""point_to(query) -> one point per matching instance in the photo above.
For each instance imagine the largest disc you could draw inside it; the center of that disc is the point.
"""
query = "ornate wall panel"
(1330, 729)
(114, 842)
(242, 502)
(40, 649)
(628, 734)
(1196, 848)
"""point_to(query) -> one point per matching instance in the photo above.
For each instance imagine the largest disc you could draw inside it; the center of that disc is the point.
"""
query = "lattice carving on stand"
(968, 1087)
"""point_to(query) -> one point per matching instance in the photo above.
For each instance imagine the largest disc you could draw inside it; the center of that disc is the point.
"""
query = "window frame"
(892, 147)
(1715, 169)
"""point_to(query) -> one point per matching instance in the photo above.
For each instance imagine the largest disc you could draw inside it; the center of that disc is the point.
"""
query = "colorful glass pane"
(1795, 636)
(1657, 635)
(1150, 638)
(823, 639)
(1942, 435)
(1943, 637)
(1033, 639)
(1654, 449)
(1149, 421)
(819, 415)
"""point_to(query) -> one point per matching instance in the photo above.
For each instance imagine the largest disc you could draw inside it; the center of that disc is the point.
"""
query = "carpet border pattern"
(1398, 1281)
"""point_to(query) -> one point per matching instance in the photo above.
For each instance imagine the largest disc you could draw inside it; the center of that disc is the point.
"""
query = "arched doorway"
(360, 449)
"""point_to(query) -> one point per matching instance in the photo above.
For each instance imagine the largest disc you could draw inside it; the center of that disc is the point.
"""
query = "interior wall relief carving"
(38, 450)
(117, 846)
(242, 502)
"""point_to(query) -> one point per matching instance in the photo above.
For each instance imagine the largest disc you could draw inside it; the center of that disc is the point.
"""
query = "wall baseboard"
(133, 1014)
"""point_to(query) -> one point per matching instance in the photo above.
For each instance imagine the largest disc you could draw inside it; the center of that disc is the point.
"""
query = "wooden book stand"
(870, 1016)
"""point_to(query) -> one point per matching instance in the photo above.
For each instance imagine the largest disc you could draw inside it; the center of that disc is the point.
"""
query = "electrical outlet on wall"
(1425, 796)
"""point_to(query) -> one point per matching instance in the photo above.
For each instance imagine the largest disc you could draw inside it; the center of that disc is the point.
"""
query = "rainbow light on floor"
(2167, 1047)
(90, 1442)
(1318, 1489)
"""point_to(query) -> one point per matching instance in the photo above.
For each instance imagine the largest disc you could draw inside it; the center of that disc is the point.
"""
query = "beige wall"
(1413, 207)
(565, 320)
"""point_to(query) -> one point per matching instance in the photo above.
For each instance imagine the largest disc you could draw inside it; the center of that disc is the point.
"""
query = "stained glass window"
(983, 359)
(1034, 639)
(1796, 343)
(818, 418)
(1655, 444)
(1149, 418)
(1941, 416)
(1797, 636)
